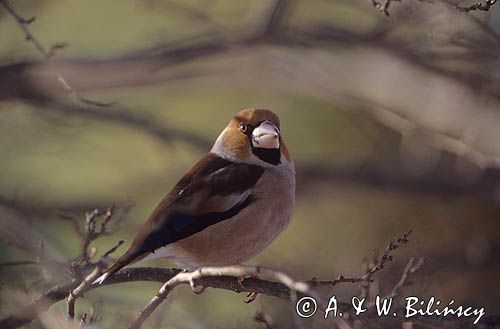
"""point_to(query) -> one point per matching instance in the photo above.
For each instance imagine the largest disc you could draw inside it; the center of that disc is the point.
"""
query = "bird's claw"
(197, 289)
(244, 277)
(251, 297)
(240, 281)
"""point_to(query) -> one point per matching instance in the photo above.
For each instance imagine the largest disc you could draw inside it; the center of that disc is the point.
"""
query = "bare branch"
(270, 288)
(19, 262)
(92, 232)
(380, 263)
(103, 72)
(78, 291)
(477, 6)
(412, 266)
(23, 24)
(239, 271)
(383, 6)
(74, 294)
(126, 117)
(459, 145)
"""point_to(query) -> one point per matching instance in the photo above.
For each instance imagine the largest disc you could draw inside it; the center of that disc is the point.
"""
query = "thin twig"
(477, 6)
(462, 146)
(92, 232)
(78, 291)
(113, 249)
(413, 265)
(378, 265)
(74, 294)
(48, 55)
(383, 6)
(20, 262)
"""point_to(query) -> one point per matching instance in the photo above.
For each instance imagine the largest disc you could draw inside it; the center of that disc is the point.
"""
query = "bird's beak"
(266, 136)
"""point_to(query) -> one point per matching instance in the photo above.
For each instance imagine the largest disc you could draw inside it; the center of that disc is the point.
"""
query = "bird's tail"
(127, 259)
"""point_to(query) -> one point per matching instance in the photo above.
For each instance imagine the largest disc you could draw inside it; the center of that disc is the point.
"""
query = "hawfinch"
(231, 205)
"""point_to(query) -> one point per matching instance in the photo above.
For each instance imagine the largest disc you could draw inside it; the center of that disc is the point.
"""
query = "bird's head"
(253, 136)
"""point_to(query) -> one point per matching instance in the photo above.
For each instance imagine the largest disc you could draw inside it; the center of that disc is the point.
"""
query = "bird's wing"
(214, 190)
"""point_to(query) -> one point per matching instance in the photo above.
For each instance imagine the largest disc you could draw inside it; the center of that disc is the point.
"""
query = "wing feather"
(215, 189)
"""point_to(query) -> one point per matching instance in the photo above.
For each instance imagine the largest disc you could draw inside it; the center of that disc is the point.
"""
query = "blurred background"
(393, 124)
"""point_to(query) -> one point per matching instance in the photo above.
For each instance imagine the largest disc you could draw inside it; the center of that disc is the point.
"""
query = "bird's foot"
(243, 278)
(197, 289)
(242, 287)
(240, 281)
(251, 297)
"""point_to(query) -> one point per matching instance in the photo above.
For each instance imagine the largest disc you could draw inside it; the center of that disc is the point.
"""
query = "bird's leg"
(241, 279)
(197, 288)
(248, 276)
(251, 297)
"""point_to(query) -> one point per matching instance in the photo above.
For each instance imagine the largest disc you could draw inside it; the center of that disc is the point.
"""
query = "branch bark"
(30, 311)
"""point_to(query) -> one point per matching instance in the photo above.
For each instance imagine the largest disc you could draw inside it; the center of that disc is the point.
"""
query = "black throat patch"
(271, 156)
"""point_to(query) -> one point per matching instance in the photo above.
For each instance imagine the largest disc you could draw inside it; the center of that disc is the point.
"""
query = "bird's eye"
(244, 127)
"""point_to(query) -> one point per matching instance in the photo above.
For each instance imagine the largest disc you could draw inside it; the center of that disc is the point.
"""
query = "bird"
(228, 207)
